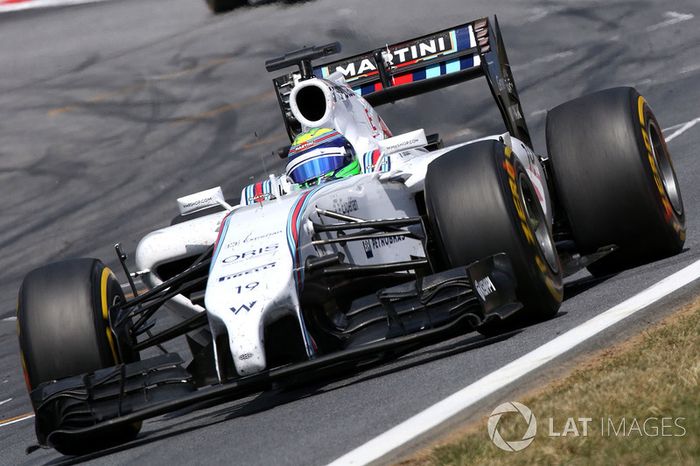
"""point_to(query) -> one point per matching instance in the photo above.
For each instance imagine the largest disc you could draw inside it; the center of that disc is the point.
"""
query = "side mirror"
(202, 200)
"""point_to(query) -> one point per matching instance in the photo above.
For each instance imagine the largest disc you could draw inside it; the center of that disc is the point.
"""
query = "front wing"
(419, 313)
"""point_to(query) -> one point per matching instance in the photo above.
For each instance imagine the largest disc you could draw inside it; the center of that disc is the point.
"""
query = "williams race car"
(370, 245)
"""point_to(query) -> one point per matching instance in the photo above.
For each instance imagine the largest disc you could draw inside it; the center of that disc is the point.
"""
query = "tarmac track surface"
(108, 112)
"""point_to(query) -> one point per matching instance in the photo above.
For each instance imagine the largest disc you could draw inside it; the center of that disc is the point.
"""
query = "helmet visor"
(317, 163)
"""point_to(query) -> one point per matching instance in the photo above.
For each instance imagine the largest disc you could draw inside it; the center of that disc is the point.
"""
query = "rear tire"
(614, 179)
(481, 202)
(63, 323)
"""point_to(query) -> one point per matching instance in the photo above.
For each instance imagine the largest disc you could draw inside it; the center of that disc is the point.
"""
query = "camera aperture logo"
(577, 426)
(512, 445)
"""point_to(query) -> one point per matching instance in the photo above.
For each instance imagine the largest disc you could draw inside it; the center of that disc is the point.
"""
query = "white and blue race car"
(369, 245)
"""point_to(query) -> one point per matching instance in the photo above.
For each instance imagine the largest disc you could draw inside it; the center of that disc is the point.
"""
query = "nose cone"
(251, 279)
(247, 345)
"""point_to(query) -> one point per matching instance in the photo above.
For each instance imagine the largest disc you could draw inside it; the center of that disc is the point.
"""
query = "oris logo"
(232, 259)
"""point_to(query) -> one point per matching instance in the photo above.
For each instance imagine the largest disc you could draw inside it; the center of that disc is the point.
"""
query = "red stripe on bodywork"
(295, 234)
(218, 236)
(407, 63)
(403, 79)
(375, 156)
(258, 192)
(295, 216)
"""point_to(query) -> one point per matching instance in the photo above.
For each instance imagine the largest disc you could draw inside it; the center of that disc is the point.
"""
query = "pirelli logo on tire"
(510, 168)
(525, 227)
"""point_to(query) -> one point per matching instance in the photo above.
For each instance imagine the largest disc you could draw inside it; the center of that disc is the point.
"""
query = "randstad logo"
(512, 445)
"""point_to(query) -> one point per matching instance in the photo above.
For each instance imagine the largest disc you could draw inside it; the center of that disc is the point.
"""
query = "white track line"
(31, 4)
(5, 401)
(472, 394)
(9, 422)
(682, 128)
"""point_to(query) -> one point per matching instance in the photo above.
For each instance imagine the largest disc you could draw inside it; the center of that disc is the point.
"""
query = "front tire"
(63, 314)
(480, 202)
(614, 179)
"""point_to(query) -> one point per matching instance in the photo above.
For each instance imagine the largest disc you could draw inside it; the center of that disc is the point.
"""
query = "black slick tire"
(63, 324)
(614, 179)
(481, 202)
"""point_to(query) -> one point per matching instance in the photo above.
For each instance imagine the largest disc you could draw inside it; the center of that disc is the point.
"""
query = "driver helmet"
(321, 153)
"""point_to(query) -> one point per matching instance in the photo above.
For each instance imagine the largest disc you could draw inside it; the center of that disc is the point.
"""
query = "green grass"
(654, 375)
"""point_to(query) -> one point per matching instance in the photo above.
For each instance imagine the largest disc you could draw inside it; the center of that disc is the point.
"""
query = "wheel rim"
(663, 162)
(538, 222)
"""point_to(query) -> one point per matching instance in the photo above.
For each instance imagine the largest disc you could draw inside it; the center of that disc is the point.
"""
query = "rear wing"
(422, 65)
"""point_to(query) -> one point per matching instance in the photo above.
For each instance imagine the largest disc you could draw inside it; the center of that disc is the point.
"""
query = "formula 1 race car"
(370, 245)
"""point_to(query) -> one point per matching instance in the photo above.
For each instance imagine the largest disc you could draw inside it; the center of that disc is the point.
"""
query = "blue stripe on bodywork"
(462, 36)
(452, 66)
(386, 164)
(305, 198)
(466, 62)
(432, 72)
(223, 230)
(293, 247)
(368, 89)
(248, 194)
(367, 163)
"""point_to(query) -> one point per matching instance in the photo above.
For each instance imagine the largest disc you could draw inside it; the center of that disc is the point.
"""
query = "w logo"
(243, 307)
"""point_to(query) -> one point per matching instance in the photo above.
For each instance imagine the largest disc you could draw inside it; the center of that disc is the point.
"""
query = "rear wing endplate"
(423, 65)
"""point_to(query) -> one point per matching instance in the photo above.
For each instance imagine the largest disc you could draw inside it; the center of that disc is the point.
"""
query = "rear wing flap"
(425, 64)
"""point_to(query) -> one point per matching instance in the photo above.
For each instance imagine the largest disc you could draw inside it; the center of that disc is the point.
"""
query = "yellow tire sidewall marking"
(529, 235)
(106, 273)
(665, 202)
